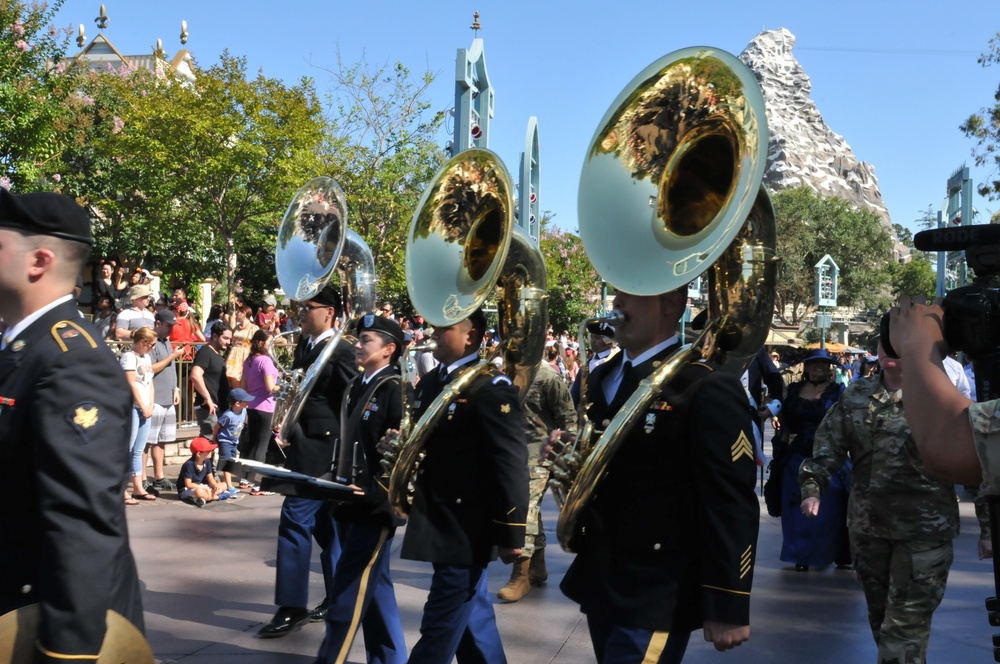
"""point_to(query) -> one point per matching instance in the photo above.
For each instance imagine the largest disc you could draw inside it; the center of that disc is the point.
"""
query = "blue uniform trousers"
(458, 619)
(618, 644)
(302, 520)
(362, 594)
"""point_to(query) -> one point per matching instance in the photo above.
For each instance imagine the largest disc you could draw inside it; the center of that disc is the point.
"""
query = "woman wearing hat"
(819, 541)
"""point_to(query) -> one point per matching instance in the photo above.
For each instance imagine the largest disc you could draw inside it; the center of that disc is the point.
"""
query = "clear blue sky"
(894, 78)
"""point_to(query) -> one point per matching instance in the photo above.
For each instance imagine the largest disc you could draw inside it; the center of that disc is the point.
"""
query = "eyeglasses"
(386, 310)
(310, 307)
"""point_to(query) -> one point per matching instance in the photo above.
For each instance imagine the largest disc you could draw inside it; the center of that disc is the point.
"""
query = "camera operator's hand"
(936, 412)
(916, 328)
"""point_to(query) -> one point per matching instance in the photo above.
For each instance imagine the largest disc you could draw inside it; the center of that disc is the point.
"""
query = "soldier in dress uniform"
(666, 544)
(901, 522)
(64, 433)
(362, 592)
(310, 452)
(471, 500)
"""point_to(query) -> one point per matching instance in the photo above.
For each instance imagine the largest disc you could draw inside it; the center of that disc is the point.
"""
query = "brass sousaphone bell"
(123, 642)
(671, 190)
(463, 243)
(314, 244)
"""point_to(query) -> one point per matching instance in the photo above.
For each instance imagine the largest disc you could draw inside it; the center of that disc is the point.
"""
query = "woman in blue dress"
(811, 542)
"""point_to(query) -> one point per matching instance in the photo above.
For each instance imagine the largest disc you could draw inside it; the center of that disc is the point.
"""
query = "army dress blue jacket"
(668, 539)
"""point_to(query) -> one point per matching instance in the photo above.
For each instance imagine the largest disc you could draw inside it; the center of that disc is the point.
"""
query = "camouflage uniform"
(547, 406)
(985, 420)
(901, 521)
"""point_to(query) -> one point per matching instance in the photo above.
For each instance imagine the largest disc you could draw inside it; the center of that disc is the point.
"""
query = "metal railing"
(185, 411)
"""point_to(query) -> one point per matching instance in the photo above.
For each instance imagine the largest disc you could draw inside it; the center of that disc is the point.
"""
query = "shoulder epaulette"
(70, 334)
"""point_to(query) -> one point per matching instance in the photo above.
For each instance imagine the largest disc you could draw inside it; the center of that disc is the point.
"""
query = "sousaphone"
(671, 190)
(462, 244)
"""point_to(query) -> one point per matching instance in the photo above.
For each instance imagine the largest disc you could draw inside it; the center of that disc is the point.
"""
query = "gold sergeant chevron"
(742, 446)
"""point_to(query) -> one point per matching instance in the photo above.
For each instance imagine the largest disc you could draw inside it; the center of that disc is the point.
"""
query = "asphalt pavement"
(208, 586)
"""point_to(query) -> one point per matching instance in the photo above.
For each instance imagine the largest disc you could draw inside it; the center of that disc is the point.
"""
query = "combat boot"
(518, 585)
(537, 574)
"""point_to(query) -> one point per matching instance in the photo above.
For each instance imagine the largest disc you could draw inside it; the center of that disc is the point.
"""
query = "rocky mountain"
(803, 150)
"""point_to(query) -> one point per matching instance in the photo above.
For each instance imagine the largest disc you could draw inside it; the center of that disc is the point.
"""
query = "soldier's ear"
(40, 261)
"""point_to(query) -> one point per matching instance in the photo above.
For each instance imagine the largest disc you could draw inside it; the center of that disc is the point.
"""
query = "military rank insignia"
(650, 423)
(742, 447)
(69, 333)
(746, 561)
(18, 346)
(84, 417)
(505, 408)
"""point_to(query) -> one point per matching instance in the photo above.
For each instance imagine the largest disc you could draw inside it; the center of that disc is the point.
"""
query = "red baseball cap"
(202, 444)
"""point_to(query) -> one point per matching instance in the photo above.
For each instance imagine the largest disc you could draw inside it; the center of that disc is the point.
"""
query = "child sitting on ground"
(227, 434)
(196, 482)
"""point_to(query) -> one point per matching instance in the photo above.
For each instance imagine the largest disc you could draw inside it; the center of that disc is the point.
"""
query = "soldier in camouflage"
(548, 413)
(901, 521)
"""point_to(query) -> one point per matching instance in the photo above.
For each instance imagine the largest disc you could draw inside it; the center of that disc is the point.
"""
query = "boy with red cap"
(196, 483)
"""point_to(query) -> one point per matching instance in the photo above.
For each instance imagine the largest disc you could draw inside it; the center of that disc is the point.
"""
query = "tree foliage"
(37, 94)
(984, 128)
(916, 277)
(109, 170)
(573, 284)
(381, 149)
(811, 226)
(193, 175)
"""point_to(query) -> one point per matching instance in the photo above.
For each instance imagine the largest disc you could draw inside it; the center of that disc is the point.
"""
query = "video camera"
(972, 313)
(972, 325)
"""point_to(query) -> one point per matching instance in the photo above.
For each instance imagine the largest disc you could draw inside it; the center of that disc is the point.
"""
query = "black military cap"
(43, 213)
(601, 330)
(328, 297)
(382, 324)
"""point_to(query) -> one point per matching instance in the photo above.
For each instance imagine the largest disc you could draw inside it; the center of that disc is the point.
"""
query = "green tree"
(381, 148)
(984, 128)
(903, 234)
(128, 193)
(811, 226)
(916, 277)
(573, 284)
(201, 172)
(37, 96)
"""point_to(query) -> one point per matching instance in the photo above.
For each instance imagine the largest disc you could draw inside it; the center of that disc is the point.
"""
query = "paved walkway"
(208, 578)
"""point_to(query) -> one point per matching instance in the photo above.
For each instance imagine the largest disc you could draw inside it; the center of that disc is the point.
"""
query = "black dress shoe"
(283, 622)
(319, 613)
(801, 568)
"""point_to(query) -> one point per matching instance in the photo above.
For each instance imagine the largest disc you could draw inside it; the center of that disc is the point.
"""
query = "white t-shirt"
(143, 368)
